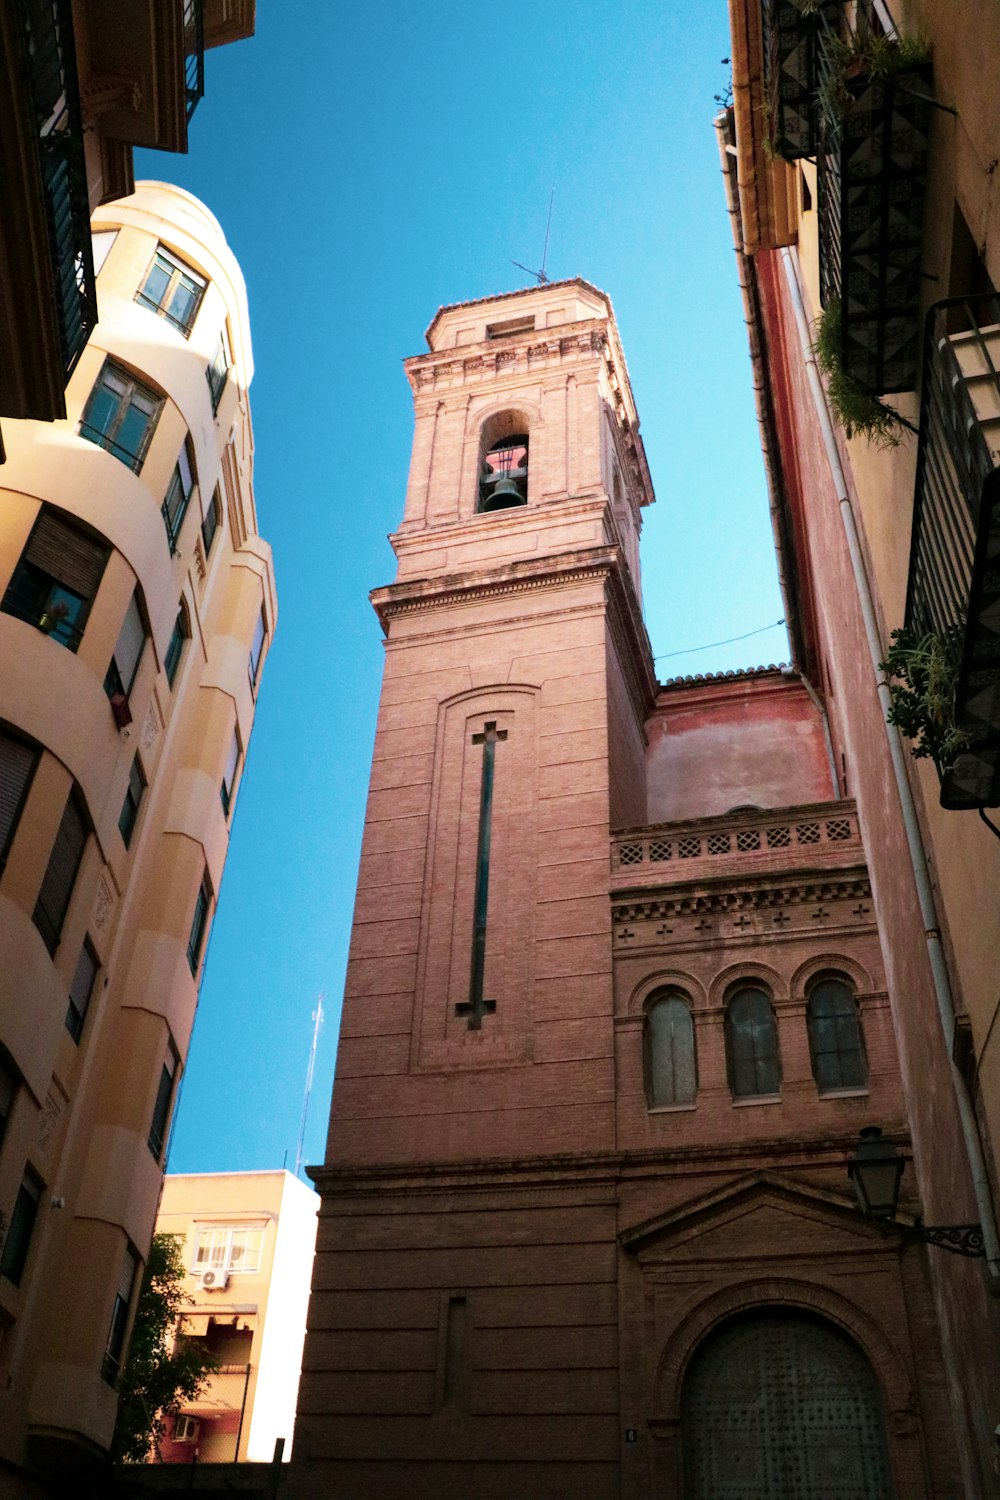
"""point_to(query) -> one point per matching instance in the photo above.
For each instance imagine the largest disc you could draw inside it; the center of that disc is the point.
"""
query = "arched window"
(671, 1066)
(503, 480)
(752, 1044)
(836, 1045)
(783, 1406)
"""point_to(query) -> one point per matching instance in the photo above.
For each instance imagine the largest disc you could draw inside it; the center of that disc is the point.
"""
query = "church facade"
(616, 1012)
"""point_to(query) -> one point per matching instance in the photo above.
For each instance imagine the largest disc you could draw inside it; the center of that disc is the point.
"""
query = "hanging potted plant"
(923, 696)
(859, 412)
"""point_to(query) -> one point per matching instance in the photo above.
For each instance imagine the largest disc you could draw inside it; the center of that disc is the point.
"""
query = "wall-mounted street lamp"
(875, 1171)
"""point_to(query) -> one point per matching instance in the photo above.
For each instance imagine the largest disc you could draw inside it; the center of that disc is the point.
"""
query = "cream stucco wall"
(82, 1108)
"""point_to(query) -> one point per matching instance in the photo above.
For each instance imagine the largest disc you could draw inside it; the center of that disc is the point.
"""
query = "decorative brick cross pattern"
(663, 930)
(625, 934)
(781, 918)
(861, 910)
(742, 921)
(703, 926)
(477, 1005)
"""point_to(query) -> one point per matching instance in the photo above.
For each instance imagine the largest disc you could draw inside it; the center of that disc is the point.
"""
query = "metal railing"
(194, 53)
(50, 60)
(871, 169)
(954, 582)
(758, 832)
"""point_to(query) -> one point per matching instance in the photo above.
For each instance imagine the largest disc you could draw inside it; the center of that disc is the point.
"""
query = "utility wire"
(689, 649)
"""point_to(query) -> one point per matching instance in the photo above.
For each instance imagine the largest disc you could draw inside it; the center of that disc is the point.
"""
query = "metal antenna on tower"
(540, 275)
(317, 1016)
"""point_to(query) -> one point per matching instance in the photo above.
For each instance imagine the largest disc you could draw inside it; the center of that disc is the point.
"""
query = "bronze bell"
(505, 495)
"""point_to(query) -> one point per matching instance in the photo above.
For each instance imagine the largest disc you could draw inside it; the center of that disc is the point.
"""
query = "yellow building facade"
(247, 1242)
(137, 603)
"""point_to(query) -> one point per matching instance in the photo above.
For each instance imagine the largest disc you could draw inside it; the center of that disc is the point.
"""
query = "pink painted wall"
(726, 742)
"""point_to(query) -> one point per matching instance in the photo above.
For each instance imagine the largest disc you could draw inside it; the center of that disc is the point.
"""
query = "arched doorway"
(779, 1405)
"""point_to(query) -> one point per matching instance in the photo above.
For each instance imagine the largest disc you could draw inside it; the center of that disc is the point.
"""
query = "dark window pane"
(56, 579)
(60, 875)
(8, 1091)
(256, 648)
(198, 928)
(210, 524)
(176, 646)
(130, 806)
(173, 290)
(80, 992)
(112, 1364)
(671, 1073)
(229, 774)
(752, 1045)
(120, 415)
(161, 1109)
(18, 1238)
(835, 1041)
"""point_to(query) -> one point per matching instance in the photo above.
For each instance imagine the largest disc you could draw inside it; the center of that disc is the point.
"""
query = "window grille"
(747, 839)
(838, 829)
(630, 854)
(689, 848)
(718, 843)
(779, 838)
(660, 850)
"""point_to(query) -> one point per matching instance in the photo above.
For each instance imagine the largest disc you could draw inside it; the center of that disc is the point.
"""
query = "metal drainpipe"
(918, 860)
(726, 151)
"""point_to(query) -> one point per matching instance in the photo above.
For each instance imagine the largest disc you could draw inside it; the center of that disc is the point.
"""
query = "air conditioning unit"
(215, 1280)
(186, 1429)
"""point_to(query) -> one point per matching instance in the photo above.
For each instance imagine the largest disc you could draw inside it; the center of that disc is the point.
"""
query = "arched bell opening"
(503, 480)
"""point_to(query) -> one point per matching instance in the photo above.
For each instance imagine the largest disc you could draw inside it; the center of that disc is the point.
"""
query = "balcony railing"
(194, 53)
(755, 838)
(791, 73)
(52, 80)
(874, 121)
(954, 585)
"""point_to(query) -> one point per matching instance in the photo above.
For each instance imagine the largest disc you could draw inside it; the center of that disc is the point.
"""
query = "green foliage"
(162, 1370)
(864, 55)
(923, 696)
(859, 412)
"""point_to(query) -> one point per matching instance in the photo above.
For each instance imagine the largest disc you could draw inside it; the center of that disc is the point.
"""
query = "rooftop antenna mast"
(540, 275)
(317, 1016)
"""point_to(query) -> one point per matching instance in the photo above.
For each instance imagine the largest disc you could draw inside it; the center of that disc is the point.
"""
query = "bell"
(505, 495)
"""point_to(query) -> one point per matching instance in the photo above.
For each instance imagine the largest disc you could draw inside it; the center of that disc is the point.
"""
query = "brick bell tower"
(579, 1119)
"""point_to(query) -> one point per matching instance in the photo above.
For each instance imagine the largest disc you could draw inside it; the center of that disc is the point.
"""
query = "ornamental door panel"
(780, 1406)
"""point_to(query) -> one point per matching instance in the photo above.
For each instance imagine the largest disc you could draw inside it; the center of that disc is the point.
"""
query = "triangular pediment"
(760, 1214)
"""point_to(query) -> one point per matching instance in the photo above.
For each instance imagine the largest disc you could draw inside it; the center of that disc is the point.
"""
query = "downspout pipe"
(751, 317)
(897, 753)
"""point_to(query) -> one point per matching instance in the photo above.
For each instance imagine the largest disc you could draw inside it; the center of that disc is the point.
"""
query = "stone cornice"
(719, 897)
(589, 1169)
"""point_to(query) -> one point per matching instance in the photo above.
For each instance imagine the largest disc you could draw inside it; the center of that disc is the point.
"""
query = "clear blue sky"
(368, 164)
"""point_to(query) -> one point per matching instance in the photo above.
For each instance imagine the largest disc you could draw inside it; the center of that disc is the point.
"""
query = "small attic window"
(512, 325)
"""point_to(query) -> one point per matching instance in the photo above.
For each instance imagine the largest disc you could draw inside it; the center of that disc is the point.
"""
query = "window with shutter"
(60, 874)
(199, 922)
(17, 1241)
(178, 497)
(229, 774)
(17, 765)
(56, 579)
(161, 1108)
(210, 524)
(121, 673)
(80, 991)
(217, 372)
(257, 648)
(111, 1367)
(133, 797)
(8, 1092)
(175, 647)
